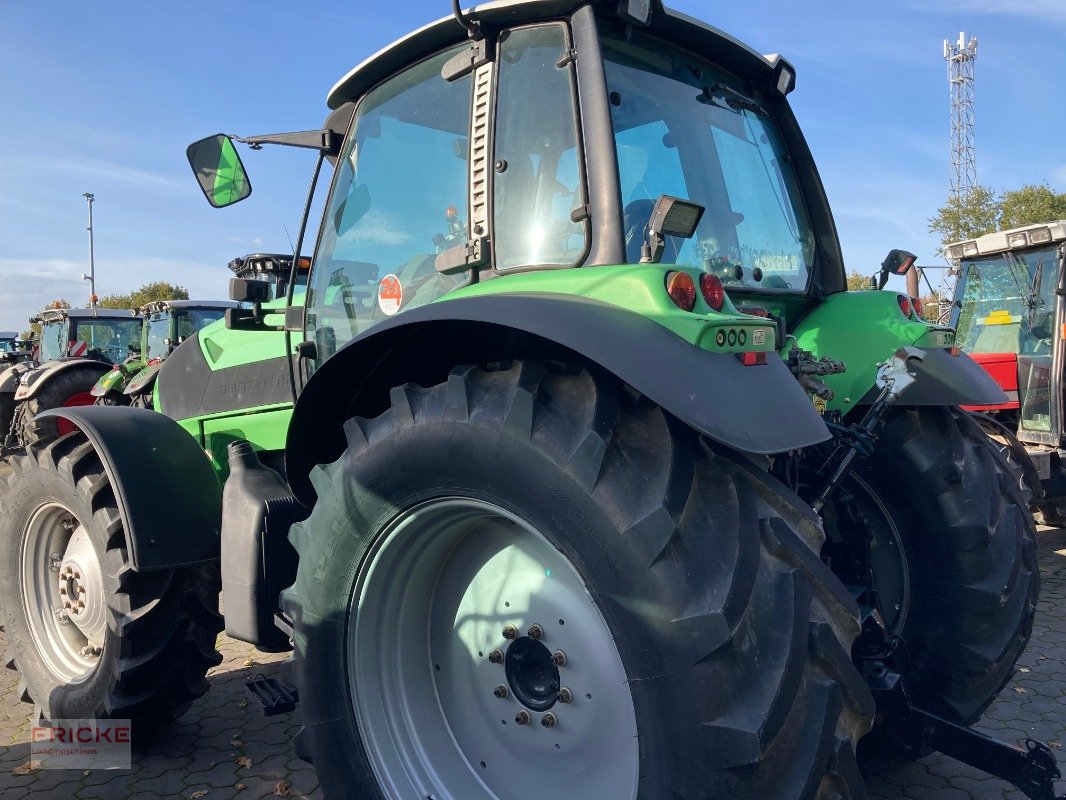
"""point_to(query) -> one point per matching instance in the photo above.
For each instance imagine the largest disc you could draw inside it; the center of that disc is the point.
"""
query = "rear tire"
(150, 635)
(960, 507)
(57, 392)
(702, 591)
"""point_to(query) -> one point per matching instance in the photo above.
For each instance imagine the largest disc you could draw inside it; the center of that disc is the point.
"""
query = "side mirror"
(168, 343)
(249, 290)
(897, 262)
(218, 168)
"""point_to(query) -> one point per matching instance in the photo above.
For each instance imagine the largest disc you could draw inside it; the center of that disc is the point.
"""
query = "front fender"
(10, 376)
(109, 382)
(864, 328)
(168, 494)
(31, 382)
(142, 382)
(757, 409)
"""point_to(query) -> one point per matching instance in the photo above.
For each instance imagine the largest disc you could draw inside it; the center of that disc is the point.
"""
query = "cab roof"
(161, 305)
(1000, 241)
(83, 313)
(681, 29)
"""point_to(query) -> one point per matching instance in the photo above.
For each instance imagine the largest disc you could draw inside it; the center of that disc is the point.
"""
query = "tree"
(975, 213)
(982, 211)
(149, 293)
(857, 281)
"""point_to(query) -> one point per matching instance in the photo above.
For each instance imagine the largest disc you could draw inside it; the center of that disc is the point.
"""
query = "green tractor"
(77, 346)
(165, 325)
(531, 475)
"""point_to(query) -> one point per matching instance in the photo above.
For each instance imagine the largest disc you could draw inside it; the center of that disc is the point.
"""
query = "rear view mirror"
(245, 290)
(219, 170)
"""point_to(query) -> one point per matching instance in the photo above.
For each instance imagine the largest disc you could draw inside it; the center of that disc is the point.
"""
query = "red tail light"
(682, 290)
(713, 291)
(752, 359)
(904, 305)
(917, 303)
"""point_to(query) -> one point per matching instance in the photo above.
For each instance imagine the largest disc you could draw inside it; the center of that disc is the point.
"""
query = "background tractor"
(164, 325)
(76, 346)
(573, 470)
(1008, 311)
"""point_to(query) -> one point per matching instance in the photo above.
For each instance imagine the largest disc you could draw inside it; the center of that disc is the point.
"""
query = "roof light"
(969, 249)
(1040, 236)
(1019, 239)
(682, 290)
(713, 291)
(955, 252)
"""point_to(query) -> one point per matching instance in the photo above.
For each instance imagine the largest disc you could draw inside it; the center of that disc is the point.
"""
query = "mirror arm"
(325, 141)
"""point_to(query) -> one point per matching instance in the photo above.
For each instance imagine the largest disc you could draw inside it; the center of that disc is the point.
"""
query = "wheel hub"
(81, 589)
(531, 675)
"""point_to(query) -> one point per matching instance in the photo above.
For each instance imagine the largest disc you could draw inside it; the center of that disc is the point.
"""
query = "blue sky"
(105, 97)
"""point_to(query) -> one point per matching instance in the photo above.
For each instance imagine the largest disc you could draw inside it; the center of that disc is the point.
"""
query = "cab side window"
(539, 178)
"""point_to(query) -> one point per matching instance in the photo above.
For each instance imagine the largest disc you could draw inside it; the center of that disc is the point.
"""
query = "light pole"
(91, 277)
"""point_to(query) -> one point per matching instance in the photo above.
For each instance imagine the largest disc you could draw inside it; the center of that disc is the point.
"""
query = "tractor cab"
(102, 334)
(168, 323)
(1008, 316)
(8, 341)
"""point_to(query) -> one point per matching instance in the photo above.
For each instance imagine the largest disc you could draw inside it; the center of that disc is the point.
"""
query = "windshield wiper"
(729, 98)
(1034, 292)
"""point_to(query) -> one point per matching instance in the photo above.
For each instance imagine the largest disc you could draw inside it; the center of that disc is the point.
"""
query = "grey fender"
(144, 380)
(756, 410)
(168, 493)
(10, 375)
(32, 382)
(943, 379)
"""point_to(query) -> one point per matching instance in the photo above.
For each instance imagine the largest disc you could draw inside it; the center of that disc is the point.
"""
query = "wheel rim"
(888, 559)
(518, 692)
(63, 593)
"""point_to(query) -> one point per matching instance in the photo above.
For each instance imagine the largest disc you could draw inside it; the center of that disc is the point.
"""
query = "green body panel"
(862, 329)
(640, 289)
(225, 348)
(117, 379)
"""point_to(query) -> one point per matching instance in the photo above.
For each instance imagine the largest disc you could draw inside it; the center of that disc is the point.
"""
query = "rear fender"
(757, 409)
(168, 494)
(31, 383)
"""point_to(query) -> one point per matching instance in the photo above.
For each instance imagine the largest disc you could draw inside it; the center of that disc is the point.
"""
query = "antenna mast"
(961, 57)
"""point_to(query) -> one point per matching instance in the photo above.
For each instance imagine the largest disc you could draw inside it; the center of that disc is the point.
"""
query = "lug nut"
(522, 717)
(81, 604)
(496, 657)
(535, 632)
(565, 695)
(66, 604)
(81, 589)
(549, 720)
(62, 590)
(501, 692)
(510, 632)
(559, 658)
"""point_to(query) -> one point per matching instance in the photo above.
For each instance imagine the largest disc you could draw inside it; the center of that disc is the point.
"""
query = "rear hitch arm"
(1032, 769)
(893, 379)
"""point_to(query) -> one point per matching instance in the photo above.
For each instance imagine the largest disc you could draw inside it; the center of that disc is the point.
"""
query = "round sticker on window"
(390, 295)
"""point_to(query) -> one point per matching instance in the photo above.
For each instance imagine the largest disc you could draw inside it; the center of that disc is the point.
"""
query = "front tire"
(90, 637)
(705, 646)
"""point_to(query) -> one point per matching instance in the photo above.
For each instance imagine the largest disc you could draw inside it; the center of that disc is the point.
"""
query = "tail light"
(904, 305)
(752, 359)
(917, 303)
(712, 290)
(682, 290)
